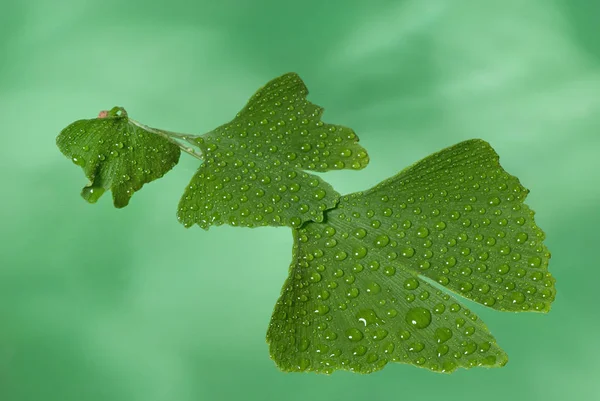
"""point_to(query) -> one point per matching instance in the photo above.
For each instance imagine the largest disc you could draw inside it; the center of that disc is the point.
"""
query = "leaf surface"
(116, 155)
(254, 173)
(359, 295)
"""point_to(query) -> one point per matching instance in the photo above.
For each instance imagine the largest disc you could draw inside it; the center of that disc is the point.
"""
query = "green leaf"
(116, 155)
(358, 295)
(253, 174)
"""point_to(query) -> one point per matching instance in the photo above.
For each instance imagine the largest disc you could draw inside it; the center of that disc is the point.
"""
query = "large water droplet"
(418, 317)
(422, 232)
(382, 240)
(534, 261)
(373, 288)
(92, 194)
(360, 233)
(411, 283)
(379, 334)
(407, 252)
(517, 297)
(353, 334)
(359, 252)
(78, 161)
(442, 334)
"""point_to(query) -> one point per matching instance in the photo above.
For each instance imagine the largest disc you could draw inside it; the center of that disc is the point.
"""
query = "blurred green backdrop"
(105, 304)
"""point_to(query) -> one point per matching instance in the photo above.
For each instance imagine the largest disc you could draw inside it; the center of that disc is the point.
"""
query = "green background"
(106, 304)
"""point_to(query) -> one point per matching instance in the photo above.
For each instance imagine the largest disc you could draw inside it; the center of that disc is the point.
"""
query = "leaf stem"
(175, 138)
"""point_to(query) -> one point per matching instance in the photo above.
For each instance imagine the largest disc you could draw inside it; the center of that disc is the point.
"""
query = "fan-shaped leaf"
(253, 174)
(357, 296)
(116, 155)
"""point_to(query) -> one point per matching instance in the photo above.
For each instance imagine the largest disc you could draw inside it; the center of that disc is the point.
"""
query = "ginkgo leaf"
(357, 296)
(254, 169)
(116, 155)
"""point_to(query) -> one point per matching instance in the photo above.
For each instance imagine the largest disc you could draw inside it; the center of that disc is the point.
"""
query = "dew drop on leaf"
(418, 317)
(354, 334)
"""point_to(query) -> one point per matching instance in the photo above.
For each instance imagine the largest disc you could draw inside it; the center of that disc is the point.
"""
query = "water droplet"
(388, 348)
(439, 309)
(315, 277)
(469, 331)
(391, 313)
(329, 335)
(442, 334)
(379, 334)
(360, 233)
(389, 270)
(331, 242)
(367, 317)
(92, 194)
(503, 269)
(322, 310)
(494, 201)
(359, 350)
(416, 347)
(451, 261)
(359, 252)
(354, 335)
(534, 261)
(374, 265)
(418, 317)
(442, 350)
(517, 297)
(469, 348)
(404, 335)
(422, 232)
(521, 238)
(303, 364)
(303, 344)
(407, 252)
(381, 241)
(319, 194)
(373, 288)
(411, 283)
(78, 161)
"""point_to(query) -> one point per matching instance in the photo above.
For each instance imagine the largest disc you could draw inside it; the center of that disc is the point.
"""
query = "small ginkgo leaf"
(253, 173)
(116, 155)
(357, 295)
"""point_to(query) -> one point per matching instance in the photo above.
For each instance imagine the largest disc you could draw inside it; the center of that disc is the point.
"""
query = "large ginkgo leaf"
(358, 295)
